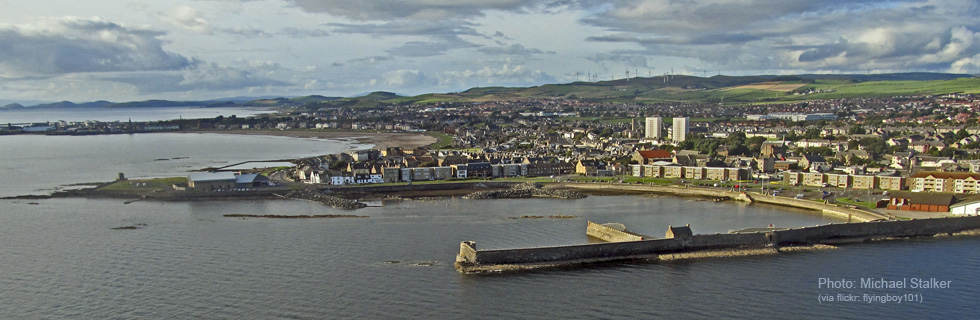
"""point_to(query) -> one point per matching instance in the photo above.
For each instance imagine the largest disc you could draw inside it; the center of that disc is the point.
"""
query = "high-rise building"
(679, 134)
(653, 128)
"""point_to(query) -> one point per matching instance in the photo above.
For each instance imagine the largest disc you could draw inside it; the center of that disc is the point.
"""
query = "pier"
(681, 242)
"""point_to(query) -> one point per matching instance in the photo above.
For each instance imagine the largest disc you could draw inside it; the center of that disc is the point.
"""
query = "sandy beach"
(380, 140)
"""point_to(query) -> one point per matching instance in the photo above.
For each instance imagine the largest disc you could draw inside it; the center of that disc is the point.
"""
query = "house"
(210, 181)
(811, 161)
(915, 201)
(587, 166)
(682, 233)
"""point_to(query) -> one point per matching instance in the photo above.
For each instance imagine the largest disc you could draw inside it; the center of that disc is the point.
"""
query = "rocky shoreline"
(317, 196)
(525, 190)
(276, 216)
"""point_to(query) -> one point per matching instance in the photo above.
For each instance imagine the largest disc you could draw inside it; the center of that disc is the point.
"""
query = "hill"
(741, 89)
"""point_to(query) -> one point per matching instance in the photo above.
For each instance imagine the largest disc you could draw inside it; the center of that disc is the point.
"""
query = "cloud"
(505, 74)
(204, 77)
(407, 79)
(515, 49)
(74, 45)
(442, 36)
(420, 10)
(370, 60)
(187, 18)
(304, 33)
(794, 35)
(630, 60)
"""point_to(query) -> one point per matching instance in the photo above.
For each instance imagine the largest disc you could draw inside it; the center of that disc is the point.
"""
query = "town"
(920, 144)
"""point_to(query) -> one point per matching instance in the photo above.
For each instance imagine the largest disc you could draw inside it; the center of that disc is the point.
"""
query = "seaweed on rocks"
(524, 190)
(313, 195)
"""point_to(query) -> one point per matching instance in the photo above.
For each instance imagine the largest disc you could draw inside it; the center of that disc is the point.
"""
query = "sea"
(62, 258)
(124, 114)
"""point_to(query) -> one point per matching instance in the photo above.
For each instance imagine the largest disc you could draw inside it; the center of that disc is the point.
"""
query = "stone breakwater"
(680, 244)
(525, 190)
(317, 196)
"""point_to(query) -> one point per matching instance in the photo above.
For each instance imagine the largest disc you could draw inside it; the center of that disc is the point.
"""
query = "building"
(680, 130)
(651, 156)
(251, 180)
(653, 128)
(891, 182)
(814, 179)
(840, 180)
(211, 181)
(547, 169)
(966, 207)
(956, 182)
(866, 182)
(915, 201)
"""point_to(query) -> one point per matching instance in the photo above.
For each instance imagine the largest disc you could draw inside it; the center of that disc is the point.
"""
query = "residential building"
(654, 127)
(680, 129)
(956, 182)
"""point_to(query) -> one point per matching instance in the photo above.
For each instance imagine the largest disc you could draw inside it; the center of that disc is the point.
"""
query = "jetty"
(681, 242)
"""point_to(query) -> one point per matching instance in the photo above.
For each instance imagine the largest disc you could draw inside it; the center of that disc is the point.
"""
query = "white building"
(679, 133)
(966, 207)
(654, 126)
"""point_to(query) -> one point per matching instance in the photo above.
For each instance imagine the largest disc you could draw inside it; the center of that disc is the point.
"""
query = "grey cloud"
(304, 33)
(444, 35)
(429, 49)
(369, 60)
(415, 9)
(203, 77)
(752, 35)
(516, 49)
(73, 45)
(630, 60)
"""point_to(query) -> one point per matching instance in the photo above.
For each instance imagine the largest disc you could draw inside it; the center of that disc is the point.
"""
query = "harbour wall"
(844, 213)
(472, 260)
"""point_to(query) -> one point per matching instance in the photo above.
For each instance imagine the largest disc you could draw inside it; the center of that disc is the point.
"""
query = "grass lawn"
(869, 205)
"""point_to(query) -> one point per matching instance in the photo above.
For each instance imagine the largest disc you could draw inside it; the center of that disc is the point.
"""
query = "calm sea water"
(123, 114)
(61, 259)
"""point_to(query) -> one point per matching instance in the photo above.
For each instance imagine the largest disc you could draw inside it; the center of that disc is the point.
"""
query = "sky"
(126, 50)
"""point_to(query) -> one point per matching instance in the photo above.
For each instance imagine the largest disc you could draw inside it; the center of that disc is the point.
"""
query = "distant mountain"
(158, 104)
(69, 104)
(659, 89)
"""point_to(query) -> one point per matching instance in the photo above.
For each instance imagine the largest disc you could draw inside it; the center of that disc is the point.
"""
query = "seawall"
(844, 213)
(472, 260)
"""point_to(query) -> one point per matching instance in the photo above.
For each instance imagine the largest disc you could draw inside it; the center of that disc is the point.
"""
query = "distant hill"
(659, 89)
(12, 106)
(69, 104)
(158, 104)
(735, 89)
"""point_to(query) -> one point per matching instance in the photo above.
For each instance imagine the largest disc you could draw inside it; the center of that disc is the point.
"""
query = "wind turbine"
(627, 75)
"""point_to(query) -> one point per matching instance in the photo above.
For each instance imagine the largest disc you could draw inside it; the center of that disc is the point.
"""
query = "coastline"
(379, 140)
(461, 188)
